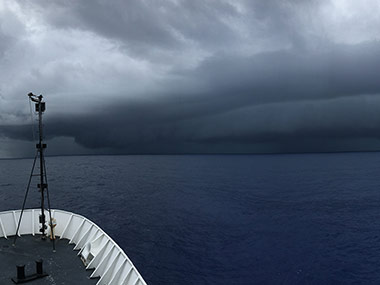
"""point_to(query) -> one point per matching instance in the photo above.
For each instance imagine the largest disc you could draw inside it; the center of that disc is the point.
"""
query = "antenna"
(40, 108)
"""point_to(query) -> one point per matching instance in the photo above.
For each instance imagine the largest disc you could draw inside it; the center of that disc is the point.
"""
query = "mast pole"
(41, 150)
(40, 108)
(40, 146)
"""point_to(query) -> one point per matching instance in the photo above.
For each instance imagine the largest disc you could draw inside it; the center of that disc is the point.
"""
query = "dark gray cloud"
(289, 75)
(345, 123)
(193, 76)
(144, 27)
(286, 126)
(324, 97)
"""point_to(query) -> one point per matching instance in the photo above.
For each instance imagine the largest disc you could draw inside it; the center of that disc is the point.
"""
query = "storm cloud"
(192, 76)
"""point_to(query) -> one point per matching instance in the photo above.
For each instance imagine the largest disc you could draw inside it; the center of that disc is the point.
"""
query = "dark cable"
(26, 195)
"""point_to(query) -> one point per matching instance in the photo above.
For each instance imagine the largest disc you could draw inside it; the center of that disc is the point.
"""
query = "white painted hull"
(96, 249)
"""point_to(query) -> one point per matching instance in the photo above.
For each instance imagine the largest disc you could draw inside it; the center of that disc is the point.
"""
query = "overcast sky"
(181, 76)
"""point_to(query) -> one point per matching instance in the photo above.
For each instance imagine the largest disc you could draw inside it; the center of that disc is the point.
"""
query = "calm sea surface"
(224, 219)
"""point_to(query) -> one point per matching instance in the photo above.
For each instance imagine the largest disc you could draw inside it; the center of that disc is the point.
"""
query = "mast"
(40, 108)
(43, 185)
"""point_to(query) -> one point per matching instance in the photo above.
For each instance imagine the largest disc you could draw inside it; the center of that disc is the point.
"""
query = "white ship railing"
(96, 249)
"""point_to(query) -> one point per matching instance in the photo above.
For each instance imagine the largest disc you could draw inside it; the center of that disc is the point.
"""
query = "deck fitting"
(21, 278)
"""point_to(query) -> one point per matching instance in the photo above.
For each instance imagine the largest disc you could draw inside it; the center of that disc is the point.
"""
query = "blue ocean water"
(224, 219)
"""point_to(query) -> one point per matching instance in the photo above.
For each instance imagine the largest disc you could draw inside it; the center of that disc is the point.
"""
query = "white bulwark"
(96, 249)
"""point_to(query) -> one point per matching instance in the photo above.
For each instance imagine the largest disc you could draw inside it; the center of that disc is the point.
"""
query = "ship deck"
(64, 266)
(104, 259)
